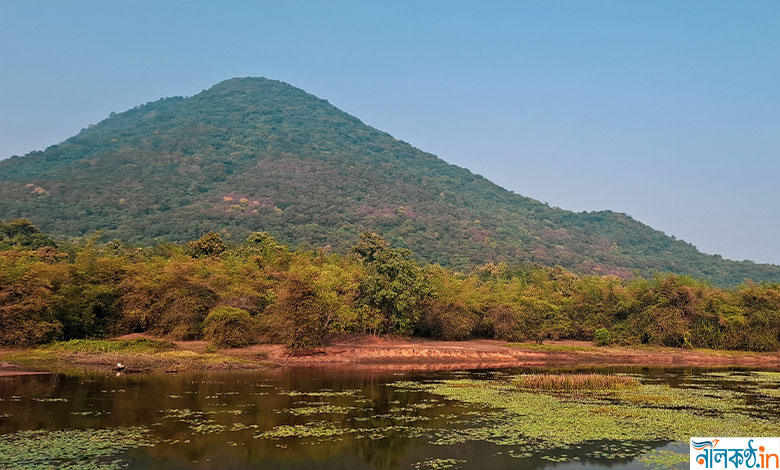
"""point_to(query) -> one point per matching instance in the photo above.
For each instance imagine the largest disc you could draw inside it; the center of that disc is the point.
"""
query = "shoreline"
(422, 354)
(364, 352)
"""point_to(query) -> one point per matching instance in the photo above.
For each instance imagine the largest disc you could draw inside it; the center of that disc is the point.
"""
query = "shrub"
(228, 327)
(602, 337)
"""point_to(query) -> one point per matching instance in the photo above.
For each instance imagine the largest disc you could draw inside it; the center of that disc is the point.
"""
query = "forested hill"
(253, 154)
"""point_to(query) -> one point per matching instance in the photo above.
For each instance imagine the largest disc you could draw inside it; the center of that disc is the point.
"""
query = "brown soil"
(423, 354)
(362, 352)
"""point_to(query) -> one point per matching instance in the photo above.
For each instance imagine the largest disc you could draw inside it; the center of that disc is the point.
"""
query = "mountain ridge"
(259, 154)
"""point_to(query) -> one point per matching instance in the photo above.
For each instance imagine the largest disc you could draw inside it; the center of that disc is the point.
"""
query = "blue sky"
(666, 110)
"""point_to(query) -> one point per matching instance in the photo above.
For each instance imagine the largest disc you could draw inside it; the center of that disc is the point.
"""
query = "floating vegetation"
(242, 426)
(570, 382)
(437, 464)
(208, 428)
(318, 429)
(71, 449)
(664, 460)
(536, 422)
(220, 394)
(394, 417)
(50, 400)
(90, 413)
(322, 393)
(315, 410)
(199, 421)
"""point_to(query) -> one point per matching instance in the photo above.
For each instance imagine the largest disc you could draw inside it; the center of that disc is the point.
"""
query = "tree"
(207, 245)
(302, 320)
(22, 233)
(393, 283)
(369, 246)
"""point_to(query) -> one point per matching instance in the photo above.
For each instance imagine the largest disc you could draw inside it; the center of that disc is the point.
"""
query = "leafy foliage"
(253, 154)
(602, 337)
(21, 233)
(207, 245)
(261, 288)
(228, 327)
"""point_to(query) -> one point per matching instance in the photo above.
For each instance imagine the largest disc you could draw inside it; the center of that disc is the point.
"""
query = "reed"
(573, 382)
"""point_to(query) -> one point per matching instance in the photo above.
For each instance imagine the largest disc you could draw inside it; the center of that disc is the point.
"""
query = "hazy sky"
(666, 110)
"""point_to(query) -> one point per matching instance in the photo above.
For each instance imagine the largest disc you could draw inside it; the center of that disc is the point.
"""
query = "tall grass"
(572, 382)
(99, 346)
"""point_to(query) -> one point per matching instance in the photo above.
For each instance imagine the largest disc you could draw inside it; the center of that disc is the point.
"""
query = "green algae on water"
(71, 449)
(548, 421)
(438, 464)
(664, 460)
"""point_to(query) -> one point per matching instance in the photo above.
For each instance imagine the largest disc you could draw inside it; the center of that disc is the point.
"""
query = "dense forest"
(236, 293)
(253, 154)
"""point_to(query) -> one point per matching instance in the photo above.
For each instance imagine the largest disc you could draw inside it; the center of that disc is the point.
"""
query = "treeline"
(261, 290)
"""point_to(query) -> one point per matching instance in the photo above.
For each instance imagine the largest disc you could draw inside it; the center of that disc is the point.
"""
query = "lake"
(326, 419)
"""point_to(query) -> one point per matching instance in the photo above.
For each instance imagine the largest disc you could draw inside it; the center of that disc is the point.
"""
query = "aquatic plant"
(318, 429)
(571, 382)
(70, 449)
(535, 422)
(664, 459)
(437, 464)
(314, 410)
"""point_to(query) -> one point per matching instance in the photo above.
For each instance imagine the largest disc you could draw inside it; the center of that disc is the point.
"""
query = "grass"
(551, 347)
(99, 346)
(573, 382)
(145, 354)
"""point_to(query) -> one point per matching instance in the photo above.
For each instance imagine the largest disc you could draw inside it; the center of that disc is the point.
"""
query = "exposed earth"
(400, 354)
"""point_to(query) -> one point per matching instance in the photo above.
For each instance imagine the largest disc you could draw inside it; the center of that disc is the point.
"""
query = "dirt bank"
(423, 354)
(401, 354)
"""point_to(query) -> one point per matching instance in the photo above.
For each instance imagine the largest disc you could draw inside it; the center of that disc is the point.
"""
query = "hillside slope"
(257, 154)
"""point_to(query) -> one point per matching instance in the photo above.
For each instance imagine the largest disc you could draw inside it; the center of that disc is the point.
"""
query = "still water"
(311, 419)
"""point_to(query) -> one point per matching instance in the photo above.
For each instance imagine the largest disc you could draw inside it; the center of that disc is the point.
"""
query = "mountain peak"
(255, 154)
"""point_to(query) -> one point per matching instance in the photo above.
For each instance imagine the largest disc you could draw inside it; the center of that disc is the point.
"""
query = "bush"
(302, 320)
(228, 327)
(602, 337)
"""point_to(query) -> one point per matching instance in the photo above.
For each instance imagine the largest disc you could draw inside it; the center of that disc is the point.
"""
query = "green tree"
(369, 246)
(393, 283)
(22, 233)
(208, 245)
